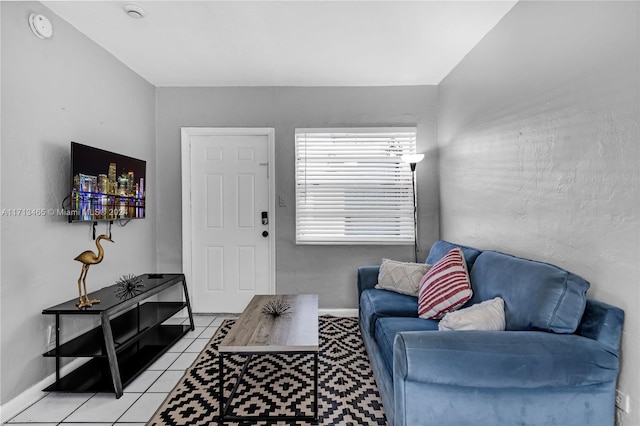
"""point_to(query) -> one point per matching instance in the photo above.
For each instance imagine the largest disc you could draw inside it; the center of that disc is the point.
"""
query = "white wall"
(538, 132)
(329, 271)
(55, 91)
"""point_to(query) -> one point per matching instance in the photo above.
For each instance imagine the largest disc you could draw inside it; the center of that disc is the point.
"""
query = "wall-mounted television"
(105, 185)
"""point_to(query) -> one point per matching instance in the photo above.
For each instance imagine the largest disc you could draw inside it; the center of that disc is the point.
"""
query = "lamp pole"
(412, 160)
(415, 212)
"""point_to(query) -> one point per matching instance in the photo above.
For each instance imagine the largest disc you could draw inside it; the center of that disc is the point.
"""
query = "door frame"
(187, 239)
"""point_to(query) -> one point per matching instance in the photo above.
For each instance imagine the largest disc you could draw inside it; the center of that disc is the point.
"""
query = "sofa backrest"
(537, 295)
(440, 248)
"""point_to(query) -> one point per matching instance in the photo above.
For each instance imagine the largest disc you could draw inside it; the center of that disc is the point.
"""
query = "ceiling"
(287, 43)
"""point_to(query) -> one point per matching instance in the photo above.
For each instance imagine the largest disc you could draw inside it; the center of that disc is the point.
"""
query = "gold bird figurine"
(89, 258)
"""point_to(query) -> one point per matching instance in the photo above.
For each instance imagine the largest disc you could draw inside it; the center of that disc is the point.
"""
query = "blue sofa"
(556, 363)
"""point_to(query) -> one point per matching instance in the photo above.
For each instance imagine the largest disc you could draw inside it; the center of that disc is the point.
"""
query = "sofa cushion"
(401, 277)
(387, 328)
(445, 287)
(602, 322)
(537, 296)
(487, 315)
(375, 303)
(440, 248)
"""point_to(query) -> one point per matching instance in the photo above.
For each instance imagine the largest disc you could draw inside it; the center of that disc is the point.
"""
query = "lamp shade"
(413, 158)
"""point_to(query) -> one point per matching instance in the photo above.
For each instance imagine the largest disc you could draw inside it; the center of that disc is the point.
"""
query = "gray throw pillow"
(401, 277)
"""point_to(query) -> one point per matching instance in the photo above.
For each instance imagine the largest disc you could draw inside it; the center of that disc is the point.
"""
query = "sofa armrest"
(367, 278)
(515, 359)
(602, 322)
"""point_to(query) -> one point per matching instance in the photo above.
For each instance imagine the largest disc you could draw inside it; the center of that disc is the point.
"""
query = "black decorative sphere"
(276, 307)
(129, 286)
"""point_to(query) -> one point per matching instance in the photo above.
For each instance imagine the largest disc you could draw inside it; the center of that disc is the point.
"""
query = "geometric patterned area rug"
(282, 384)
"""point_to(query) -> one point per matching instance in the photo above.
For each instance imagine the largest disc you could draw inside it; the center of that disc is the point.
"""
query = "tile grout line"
(26, 408)
(77, 408)
(158, 378)
(134, 403)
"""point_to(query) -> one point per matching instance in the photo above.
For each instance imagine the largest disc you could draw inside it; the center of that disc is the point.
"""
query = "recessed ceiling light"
(134, 11)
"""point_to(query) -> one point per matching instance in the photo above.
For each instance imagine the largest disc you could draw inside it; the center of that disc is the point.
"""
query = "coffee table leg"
(225, 405)
(315, 387)
(221, 389)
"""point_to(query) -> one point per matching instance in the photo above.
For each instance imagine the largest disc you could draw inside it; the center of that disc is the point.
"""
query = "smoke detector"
(134, 11)
(40, 25)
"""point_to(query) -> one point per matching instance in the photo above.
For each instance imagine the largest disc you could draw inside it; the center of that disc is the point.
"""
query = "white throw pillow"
(487, 316)
(401, 277)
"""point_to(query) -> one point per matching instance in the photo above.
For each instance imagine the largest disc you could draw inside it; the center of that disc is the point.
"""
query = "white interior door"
(227, 249)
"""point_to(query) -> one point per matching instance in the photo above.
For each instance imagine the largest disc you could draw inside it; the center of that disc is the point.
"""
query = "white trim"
(185, 156)
(339, 312)
(185, 134)
(10, 409)
(356, 129)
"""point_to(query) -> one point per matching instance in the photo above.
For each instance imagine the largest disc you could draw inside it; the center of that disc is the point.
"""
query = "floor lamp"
(412, 160)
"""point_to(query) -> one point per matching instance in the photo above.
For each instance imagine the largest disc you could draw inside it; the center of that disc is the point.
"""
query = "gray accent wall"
(55, 91)
(540, 153)
(329, 271)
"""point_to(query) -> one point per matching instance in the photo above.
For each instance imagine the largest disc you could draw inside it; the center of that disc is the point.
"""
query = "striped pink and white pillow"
(445, 287)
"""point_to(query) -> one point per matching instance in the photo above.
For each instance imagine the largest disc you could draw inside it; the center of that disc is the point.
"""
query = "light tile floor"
(141, 398)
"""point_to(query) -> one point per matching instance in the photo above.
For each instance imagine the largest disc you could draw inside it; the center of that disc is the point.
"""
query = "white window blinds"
(352, 186)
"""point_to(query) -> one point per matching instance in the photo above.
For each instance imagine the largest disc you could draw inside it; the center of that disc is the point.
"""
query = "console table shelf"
(131, 336)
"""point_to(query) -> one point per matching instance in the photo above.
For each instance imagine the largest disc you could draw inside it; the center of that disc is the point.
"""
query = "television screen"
(105, 185)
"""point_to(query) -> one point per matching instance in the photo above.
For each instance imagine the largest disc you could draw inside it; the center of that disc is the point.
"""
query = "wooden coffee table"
(256, 333)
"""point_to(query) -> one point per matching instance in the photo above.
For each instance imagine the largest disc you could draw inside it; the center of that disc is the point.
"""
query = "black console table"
(130, 337)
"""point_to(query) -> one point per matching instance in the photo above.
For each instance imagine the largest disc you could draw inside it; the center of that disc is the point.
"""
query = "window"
(352, 186)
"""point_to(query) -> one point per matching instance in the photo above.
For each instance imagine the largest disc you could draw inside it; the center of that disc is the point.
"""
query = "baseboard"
(339, 312)
(30, 396)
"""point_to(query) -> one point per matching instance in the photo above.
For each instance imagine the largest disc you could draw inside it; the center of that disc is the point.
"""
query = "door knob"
(265, 234)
